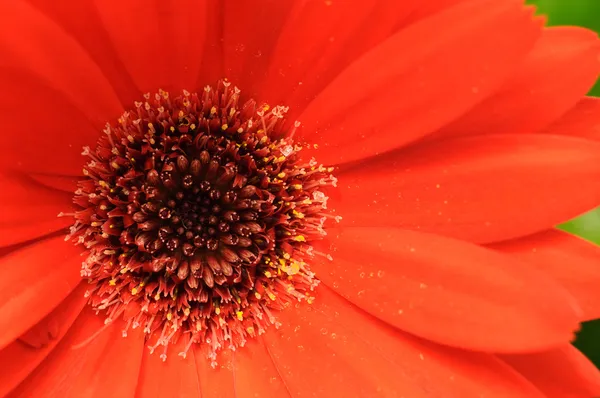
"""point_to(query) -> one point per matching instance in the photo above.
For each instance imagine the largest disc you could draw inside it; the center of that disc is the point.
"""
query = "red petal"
(63, 183)
(160, 43)
(571, 261)
(29, 210)
(175, 377)
(561, 373)
(108, 365)
(255, 373)
(583, 120)
(435, 80)
(321, 38)
(535, 96)
(18, 359)
(43, 49)
(332, 350)
(80, 20)
(218, 381)
(249, 35)
(28, 290)
(426, 9)
(448, 291)
(478, 188)
(44, 131)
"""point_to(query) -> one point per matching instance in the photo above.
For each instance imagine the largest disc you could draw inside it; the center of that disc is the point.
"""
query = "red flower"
(459, 134)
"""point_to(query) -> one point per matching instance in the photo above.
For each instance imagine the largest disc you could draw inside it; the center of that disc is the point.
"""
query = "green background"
(583, 13)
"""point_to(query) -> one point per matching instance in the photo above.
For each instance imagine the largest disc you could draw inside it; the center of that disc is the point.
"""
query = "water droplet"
(380, 273)
(362, 274)
(324, 331)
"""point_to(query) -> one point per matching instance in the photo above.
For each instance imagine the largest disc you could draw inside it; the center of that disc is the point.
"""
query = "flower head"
(385, 230)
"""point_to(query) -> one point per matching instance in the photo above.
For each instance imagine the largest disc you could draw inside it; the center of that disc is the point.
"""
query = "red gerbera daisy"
(207, 230)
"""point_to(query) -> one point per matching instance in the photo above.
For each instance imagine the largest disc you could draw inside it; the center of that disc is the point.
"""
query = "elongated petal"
(29, 210)
(175, 377)
(42, 48)
(534, 97)
(67, 184)
(477, 188)
(317, 40)
(255, 373)
(581, 121)
(436, 79)
(107, 365)
(35, 279)
(160, 44)
(560, 373)
(249, 43)
(80, 20)
(449, 291)
(217, 381)
(18, 359)
(332, 349)
(571, 261)
(43, 131)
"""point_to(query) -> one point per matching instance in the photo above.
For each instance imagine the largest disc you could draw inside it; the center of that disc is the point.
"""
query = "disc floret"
(197, 214)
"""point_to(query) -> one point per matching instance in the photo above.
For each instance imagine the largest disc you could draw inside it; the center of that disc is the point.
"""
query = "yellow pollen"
(286, 256)
(123, 270)
(240, 130)
(217, 310)
(281, 175)
(114, 165)
(268, 274)
(257, 295)
(250, 330)
(213, 110)
(186, 311)
(112, 282)
(103, 207)
(134, 291)
(157, 296)
(300, 238)
(271, 296)
(169, 316)
(224, 127)
(240, 315)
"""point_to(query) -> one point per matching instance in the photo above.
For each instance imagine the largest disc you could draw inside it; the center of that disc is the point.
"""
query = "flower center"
(197, 215)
